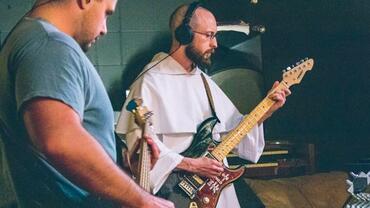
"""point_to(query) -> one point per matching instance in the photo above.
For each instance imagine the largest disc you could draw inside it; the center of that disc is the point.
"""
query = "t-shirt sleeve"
(51, 71)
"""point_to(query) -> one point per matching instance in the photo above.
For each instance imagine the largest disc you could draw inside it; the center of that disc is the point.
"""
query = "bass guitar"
(142, 119)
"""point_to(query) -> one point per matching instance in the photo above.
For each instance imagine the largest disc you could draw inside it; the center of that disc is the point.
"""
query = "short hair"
(177, 16)
(48, 1)
(43, 2)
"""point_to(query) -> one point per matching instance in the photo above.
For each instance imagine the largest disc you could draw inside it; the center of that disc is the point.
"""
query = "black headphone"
(183, 33)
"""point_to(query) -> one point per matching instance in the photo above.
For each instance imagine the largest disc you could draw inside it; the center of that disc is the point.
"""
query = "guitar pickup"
(188, 188)
(198, 181)
(191, 185)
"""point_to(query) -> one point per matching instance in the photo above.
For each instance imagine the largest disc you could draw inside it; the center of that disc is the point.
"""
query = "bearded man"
(172, 87)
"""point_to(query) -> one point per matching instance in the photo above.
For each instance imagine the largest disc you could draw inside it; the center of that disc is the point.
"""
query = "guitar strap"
(209, 96)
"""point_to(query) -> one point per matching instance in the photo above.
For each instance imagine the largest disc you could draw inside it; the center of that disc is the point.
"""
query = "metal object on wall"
(238, 26)
(258, 28)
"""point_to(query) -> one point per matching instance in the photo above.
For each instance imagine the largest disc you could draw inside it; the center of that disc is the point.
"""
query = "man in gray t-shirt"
(54, 99)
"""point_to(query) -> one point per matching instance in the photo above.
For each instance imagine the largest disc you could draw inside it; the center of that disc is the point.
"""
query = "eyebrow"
(206, 32)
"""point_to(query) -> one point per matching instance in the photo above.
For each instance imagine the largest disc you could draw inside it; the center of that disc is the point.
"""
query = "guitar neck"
(142, 119)
(234, 137)
(144, 165)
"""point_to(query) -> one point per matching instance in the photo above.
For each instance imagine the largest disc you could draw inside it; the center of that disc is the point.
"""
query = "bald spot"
(201, 15)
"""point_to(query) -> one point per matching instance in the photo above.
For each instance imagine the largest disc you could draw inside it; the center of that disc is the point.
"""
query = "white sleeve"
(167, 161)
(251, 146)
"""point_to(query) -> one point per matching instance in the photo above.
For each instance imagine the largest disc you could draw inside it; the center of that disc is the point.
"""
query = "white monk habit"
(179, 102)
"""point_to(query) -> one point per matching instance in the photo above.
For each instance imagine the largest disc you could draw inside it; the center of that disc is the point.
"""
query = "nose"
(214, 42)
(104, 29)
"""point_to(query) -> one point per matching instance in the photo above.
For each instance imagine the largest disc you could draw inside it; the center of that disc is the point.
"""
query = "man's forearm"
(56, 131)
(185, 164)
(91, 168)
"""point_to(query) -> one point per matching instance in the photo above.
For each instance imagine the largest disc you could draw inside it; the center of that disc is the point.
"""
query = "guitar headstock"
(141, 113)
(294, 75)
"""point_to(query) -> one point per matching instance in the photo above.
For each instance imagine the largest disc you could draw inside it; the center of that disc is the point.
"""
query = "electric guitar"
(190, 190)
(142, 119)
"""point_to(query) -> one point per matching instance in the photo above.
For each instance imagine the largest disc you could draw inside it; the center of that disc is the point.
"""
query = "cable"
(142, 73)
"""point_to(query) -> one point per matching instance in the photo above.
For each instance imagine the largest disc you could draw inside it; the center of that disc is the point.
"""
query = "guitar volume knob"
(206, 200)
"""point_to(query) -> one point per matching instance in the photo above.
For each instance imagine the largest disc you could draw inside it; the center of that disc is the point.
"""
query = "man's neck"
(181, 58)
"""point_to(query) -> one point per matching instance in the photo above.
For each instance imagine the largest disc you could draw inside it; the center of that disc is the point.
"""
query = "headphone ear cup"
(183, 34)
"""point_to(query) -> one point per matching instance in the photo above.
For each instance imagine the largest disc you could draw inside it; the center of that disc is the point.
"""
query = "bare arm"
(55, 129)
(203, 166)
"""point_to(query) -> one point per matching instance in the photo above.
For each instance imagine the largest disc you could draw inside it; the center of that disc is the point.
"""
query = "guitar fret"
(144, 167)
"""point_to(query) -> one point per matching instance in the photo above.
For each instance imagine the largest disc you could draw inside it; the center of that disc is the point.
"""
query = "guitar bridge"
(191, 185)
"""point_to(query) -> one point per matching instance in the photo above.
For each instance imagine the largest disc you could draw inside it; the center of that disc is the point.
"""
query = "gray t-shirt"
(40, 61)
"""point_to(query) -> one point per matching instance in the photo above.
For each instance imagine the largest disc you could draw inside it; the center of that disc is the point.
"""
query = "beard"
(86, 41)
(203, 61)
(84, 44)
(85, 47)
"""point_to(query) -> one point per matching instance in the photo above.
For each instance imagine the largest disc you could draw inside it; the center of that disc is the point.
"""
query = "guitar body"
(202, 140)
(206, 197)
(209, 194)
(204, 192)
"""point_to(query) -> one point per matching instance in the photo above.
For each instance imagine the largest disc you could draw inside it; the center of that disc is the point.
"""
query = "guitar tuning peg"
(284, 70)
(288, 68)
(353, 174)
(297, 63)
(306, 58)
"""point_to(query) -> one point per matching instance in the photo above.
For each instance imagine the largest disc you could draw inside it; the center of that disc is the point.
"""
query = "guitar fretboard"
(234, 137)
(144, 166)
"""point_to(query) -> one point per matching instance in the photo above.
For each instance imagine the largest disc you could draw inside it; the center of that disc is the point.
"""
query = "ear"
(85, 4)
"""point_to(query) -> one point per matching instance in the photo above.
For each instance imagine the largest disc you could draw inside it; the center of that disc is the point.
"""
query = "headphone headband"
(189, 12)
(183, 33)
